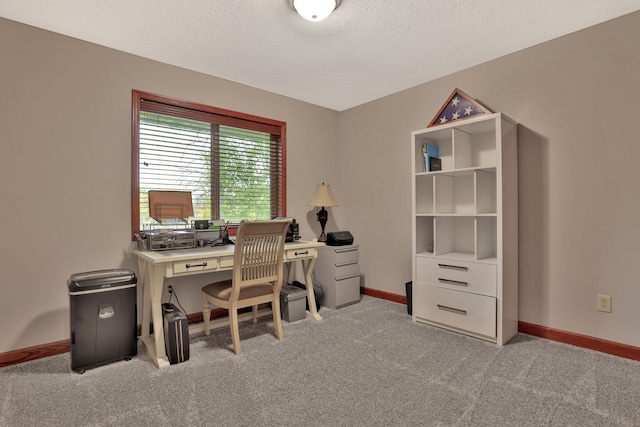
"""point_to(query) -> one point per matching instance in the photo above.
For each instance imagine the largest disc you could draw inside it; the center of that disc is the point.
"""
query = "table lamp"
(322, 197)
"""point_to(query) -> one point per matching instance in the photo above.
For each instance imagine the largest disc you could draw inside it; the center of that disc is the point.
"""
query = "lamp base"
(323, 216)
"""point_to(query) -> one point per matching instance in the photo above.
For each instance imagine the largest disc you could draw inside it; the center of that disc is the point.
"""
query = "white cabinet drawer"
(340, 293)
(347, 291)
(347, 256)
(456, 309)
(189, 266)
(293, 254)
(345, 270)
(466, 276)
(339, 255)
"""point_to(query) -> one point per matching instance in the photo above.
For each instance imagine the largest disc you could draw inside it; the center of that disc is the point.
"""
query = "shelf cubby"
(454, 234)
(454, 193)
(424, 236)
(486, 238)
(485, 188)
(468, 237)
(424, 199)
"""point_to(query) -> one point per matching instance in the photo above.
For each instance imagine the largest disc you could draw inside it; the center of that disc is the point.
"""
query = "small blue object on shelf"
(430, 151)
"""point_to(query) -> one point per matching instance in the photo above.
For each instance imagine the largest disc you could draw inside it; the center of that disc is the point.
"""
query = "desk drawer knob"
(204, 264)
(302, 253)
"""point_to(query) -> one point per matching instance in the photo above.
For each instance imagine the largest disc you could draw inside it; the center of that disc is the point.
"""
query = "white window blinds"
(234, 167)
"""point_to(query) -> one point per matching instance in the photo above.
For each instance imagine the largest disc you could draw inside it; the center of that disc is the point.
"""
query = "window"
(232, 163)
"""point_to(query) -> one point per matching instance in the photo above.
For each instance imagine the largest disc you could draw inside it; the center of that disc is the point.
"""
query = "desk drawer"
(181, 267)
(460, 310)
(466, 276)
(226, 262)
(293, 254)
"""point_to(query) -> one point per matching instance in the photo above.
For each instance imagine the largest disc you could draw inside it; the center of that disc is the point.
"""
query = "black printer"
(339, 238)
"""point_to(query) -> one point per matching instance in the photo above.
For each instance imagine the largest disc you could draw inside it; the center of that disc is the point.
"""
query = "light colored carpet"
(363, 365)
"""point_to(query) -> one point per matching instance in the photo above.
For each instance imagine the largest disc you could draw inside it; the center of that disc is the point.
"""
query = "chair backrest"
(259, 252)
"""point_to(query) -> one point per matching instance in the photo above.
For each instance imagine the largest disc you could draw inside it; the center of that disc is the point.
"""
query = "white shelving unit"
(465, 228)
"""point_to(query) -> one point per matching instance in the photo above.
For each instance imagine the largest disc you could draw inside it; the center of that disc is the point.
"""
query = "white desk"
(155, 266)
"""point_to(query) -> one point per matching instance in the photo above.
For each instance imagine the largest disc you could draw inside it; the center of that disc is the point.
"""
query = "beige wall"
(65, 174)
(65, 137)
(576, 101)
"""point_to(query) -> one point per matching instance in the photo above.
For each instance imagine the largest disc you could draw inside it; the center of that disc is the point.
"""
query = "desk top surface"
(159, 257)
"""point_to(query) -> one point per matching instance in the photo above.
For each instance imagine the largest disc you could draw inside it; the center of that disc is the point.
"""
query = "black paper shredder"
(103, 317)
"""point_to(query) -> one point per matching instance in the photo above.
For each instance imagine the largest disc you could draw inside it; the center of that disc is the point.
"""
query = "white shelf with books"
(468, 145)
(465, 225)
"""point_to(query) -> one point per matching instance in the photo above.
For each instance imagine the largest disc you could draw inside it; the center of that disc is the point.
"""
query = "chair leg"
(235, 333)
(254, 310)
(206, 315)
(275, 309)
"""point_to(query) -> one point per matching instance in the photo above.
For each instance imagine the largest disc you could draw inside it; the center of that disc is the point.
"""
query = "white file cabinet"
(338, 273)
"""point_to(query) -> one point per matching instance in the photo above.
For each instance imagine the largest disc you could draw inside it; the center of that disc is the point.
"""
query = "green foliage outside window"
(227, 169)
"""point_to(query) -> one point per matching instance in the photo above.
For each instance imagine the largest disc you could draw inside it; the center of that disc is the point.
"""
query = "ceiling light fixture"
(315, 10)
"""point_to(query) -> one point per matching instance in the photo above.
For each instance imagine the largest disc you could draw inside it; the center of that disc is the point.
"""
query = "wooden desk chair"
(257, 276)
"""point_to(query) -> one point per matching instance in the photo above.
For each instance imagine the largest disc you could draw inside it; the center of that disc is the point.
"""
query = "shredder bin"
(103, 316)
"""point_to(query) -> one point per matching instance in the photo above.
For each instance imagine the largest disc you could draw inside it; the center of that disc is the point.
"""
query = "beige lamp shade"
(322, 196)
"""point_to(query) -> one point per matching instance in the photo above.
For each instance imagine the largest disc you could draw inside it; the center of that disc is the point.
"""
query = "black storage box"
(176, 334)
(103, 317)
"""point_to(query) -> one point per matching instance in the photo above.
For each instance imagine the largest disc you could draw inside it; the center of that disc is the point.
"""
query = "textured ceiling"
(365, 50)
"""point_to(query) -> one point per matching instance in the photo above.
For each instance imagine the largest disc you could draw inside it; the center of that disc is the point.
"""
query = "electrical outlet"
(604, 303)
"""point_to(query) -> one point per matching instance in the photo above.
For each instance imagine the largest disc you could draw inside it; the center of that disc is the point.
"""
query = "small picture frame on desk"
(435, 164)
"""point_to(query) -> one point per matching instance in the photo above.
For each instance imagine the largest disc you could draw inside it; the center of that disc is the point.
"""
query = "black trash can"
(103, 317)
(408, 287)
